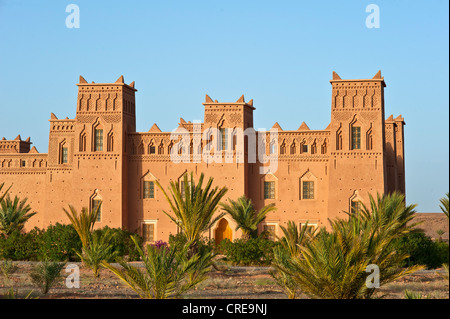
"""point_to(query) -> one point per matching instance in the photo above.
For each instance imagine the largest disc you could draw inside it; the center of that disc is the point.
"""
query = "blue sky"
(281, 54)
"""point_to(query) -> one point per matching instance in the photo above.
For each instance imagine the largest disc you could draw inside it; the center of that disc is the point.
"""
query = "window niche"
(110, 141)
(63, 156)
(355, 203)
(148, 186)
(339, 146)
(369, 139)
(355, 134)
(269, 184)
(96, 203)
(308, 186)
(98, 137)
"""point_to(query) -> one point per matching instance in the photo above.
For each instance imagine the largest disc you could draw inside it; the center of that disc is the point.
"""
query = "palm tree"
(99, 249)
(290, 247)
(440, 232)
(333, 265)
(246, 217)
(45, 274)
(84, 222)
(293, 239)
(444, 201)
(167, 271)
(14, 214)
(6, 192)
(193, 207)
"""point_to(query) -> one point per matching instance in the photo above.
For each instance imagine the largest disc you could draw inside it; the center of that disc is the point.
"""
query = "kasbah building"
(99, 156)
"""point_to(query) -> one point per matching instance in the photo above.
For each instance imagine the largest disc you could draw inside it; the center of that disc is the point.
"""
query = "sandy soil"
(236, 283)
(433, 222)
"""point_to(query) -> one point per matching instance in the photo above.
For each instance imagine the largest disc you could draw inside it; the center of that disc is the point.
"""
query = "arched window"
(355, 203)
(303, 147)
(223, 139)
(96, 204)
(324, 147)
(283, 148)
(272, 147)
(339, 139)
(98, 139)
(110, 142)
(314, 148)
(369, 139)
(82, 142)
(63, 153)
(293, 148)
(140, 149)
(356, 137)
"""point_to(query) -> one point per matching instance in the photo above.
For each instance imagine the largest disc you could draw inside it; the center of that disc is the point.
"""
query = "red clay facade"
(311, 175)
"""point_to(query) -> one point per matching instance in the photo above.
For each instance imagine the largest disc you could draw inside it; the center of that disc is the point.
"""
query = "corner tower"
(357, 142)
(104, 117)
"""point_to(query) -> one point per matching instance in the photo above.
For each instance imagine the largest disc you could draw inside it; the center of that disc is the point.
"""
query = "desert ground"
(231, 282)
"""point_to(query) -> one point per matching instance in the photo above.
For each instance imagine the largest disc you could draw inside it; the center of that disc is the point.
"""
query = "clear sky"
(279, 53)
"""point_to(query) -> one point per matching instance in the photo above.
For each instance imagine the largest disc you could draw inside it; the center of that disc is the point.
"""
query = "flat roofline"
(107, 84)
(231, 103)
(361, 80)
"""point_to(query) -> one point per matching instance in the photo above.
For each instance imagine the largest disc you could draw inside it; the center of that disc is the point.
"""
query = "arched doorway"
(223, 231)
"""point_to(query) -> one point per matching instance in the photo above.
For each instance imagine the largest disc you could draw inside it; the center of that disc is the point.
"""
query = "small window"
(272, 149)
(356, 137)
(98, 142)
(324, 147)
(148, 232)
(304, 148)
(65, 155)
(308, 190)
(283, 149)
(339, 140)
(356, 207)
(369, 139)
(182, 187)
(152, 149)
(95, 206)
(110, 141)
(269, 190)
(223, 144)
(82, 142)
(293, 148)
(149, 189)
(23, 163)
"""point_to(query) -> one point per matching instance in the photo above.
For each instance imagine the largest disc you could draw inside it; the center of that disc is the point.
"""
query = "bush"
(205, 245)
(122, 242)
(21, 246)
(422, 250)
(59, 243)
(255, 251)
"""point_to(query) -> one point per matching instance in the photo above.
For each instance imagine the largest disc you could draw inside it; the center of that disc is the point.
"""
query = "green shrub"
(122, 243)
(422, 250)
(59, 243)
(204, 245)
(255, 251)
(21, 246)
